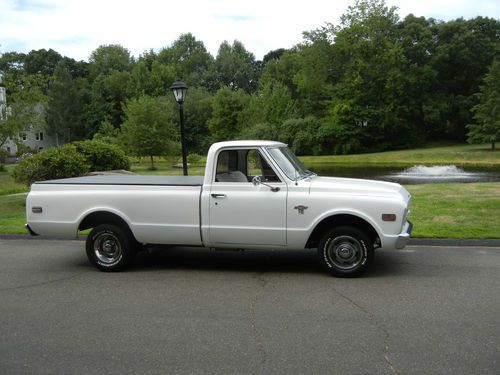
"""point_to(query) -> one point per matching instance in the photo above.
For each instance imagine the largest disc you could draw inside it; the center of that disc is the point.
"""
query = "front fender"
(344, 211)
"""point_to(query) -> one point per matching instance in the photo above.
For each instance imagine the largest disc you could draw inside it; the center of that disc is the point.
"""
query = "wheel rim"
(345, 252)
(107, 248)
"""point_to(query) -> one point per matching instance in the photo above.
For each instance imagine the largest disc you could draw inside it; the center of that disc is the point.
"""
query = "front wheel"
(110, 248)
(345, 252)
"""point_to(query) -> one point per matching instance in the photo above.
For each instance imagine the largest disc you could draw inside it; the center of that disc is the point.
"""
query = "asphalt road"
(423, 310)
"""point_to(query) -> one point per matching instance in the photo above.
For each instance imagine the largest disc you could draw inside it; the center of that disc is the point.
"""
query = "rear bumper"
(404, 236)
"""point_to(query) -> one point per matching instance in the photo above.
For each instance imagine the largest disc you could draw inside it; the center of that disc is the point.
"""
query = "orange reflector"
(36, 210)
(389, 217)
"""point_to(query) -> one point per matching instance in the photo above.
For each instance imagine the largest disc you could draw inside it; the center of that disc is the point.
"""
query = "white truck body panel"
(155, 214)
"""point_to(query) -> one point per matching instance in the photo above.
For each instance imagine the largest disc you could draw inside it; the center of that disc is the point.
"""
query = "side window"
(228, 169)
(258, 166)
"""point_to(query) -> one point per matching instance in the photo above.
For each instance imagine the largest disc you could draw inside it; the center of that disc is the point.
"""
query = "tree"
(227, 107)
(267, 110)
(368, 110)
(149, 128)
(315, 77)
(64, 113)
(108, 58)
(189, 59)
(463, 51)
(25, 106)
(12, 63)
(235, 67)
(197, 112)
(42, 62)
(487, 112)
(108, 92)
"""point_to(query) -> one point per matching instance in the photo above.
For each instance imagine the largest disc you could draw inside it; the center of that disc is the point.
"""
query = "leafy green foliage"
(227, 107)
(57, 162)
(235, 67)
(25, 106)
(149, 128)
(102, 156)
(371, 82)
(64, 117)
(108, 58)
(190, 61)
(197, 113)
(70, 160)
(487, 112)
(107, 133)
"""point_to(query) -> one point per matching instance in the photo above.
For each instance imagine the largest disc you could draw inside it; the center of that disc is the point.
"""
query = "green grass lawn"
(165, 167)
(438, 210)
(7, 184)
(456, 210)
(12, 214)
(459, 155)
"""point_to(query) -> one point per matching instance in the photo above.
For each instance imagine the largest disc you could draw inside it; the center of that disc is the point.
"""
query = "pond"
(418, 174)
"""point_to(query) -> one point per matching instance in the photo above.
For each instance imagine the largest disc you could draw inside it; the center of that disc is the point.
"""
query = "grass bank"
(459, 155)
(456, 210)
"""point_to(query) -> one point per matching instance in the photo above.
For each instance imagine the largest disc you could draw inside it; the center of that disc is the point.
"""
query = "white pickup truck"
(254, 195)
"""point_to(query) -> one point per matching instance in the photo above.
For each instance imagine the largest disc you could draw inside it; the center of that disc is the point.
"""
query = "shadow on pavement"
(287, 261)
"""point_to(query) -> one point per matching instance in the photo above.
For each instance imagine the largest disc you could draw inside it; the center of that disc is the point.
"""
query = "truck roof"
(248, 143)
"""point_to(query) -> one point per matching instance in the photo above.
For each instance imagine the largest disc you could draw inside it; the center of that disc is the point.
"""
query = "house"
(34, 139)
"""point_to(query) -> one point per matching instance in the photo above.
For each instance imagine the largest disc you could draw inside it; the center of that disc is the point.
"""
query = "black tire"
(110, 248)
(345, 251)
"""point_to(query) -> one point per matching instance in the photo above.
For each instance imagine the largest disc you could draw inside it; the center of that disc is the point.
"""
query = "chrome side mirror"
(257, 180)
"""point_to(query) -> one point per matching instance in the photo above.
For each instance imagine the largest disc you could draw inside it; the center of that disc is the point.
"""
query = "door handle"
(218, 195)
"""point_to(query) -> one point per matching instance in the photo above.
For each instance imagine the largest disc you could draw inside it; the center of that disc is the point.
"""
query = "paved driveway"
(423, 310)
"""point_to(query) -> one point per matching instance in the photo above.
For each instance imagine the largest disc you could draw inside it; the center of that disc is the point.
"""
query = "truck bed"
(130, 180)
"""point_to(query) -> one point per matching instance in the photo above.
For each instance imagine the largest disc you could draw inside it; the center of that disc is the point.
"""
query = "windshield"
(288, 163)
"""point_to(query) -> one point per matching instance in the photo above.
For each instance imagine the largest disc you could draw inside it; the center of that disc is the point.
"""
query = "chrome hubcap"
(345, 252)
(107, 248)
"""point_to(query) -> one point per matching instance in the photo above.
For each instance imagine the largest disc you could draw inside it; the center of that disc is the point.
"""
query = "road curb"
(454, 242)
(413, 241)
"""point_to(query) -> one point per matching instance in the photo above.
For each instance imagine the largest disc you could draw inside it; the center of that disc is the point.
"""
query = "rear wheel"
(345, 251)
(110, 248)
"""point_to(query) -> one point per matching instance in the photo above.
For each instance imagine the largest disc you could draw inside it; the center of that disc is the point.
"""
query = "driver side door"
(241, 214)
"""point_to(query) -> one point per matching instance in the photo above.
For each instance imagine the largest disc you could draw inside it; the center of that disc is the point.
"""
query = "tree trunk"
(493, 145)
(152, 163)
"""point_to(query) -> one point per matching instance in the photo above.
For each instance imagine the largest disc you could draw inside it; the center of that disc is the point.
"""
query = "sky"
(76, 28)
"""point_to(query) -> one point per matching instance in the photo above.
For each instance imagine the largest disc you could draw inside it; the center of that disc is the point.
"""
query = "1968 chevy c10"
(254, 195)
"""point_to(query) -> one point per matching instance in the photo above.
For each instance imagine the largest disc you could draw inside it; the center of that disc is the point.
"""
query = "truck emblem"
(301, 208)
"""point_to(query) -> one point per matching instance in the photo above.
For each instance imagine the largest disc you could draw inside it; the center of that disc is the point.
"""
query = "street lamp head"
(179, 90)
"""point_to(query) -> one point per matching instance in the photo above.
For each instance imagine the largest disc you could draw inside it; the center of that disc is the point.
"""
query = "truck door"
(243, 214)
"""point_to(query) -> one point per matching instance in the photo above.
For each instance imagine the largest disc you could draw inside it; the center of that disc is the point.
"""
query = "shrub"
(70, 160)
(22, 149)
(58, 162)
(102, 156)
(194, 158)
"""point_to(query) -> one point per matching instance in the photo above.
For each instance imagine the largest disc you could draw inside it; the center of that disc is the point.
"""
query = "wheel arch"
(103, 216)
(341, 219)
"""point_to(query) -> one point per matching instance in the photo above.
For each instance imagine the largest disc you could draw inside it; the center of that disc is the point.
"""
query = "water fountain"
(439, 173)
(418, 174)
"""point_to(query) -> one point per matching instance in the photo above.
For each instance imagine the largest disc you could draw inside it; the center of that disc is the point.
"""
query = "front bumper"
(404, 236)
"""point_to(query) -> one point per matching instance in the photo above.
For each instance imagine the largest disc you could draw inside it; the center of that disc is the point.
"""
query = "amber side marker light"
(389, 217)
(36, 210)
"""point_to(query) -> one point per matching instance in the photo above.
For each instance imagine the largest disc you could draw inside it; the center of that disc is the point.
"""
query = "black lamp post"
(179, 90)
